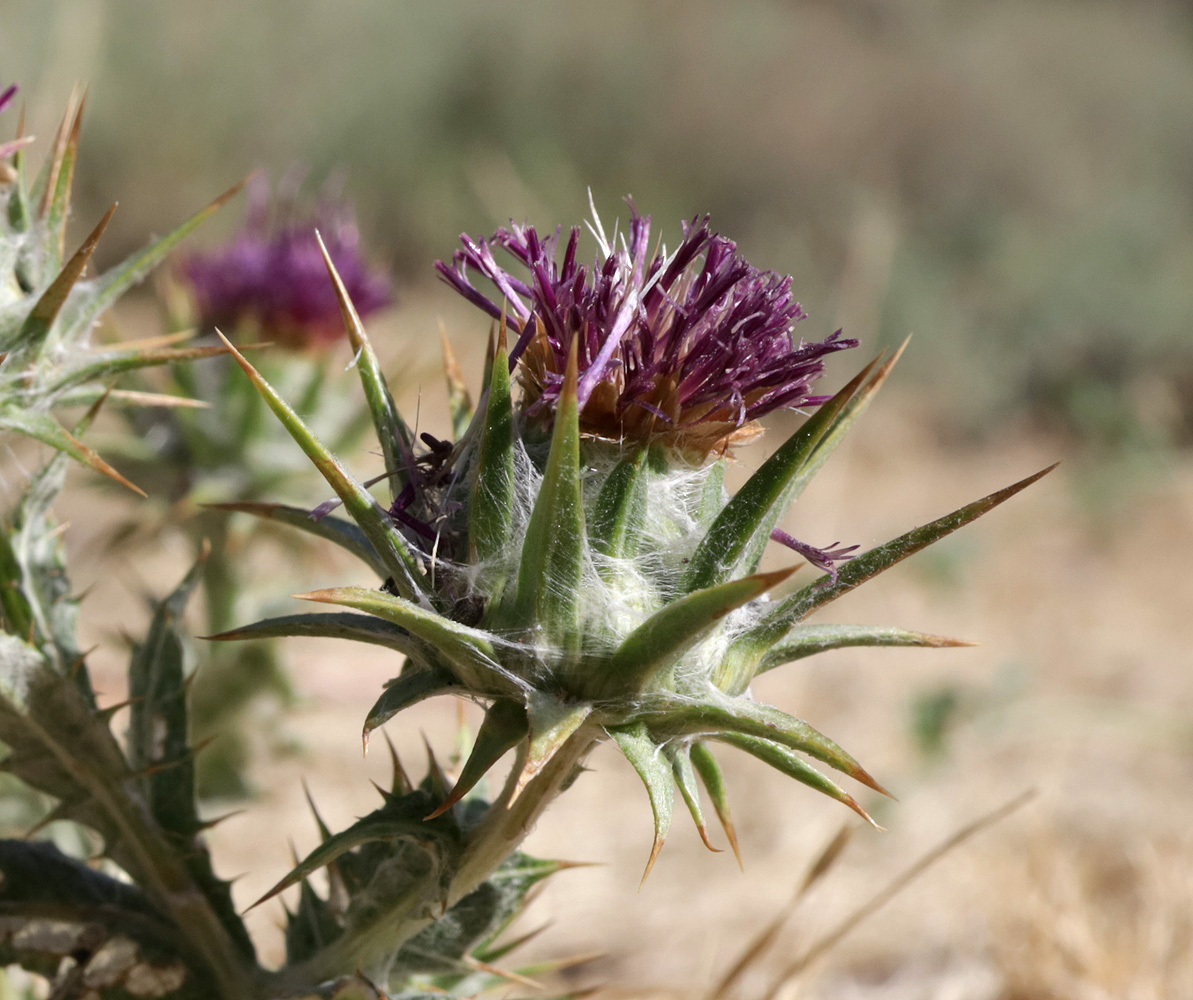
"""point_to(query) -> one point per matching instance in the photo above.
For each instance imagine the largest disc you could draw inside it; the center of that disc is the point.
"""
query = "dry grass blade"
(892, 889)
(762, 942)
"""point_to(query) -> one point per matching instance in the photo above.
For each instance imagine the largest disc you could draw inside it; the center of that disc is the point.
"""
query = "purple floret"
(691, 346)
(7, 96)
(272, 275)
(822, 558)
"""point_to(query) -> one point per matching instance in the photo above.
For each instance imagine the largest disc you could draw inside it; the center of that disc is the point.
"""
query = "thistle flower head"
(687, 348)
(271, 274)
(594, 583)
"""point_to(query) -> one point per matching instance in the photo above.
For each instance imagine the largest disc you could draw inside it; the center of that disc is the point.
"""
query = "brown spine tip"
(702, 829)
(656, 848)
(859, 773)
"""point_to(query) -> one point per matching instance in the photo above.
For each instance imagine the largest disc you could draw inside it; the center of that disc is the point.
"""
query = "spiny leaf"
(334, 529)
(336, 625)
(393, 434)
(714, 783)
(647, 759)
(491, 511)
(56, 206)
(793, 766)
(109, 364)
(41, 318)
(458, 398)
(858, 570)
(745, 523)
(812, 639)
(750, 718)
(411, 687)
(358, 501)
(312, 925)
(552, 723)
(47, 430)
(685, 779)
(394, 821)
(469, 650)
(119, 279)
(553, 551)
(58, 745)
(157, 732)
(657, 644)
(505, 726)
(86, 395)
(159, 748)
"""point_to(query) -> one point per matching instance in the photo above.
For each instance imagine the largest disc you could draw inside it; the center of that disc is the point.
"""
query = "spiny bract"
(48, 310)
(573, 560)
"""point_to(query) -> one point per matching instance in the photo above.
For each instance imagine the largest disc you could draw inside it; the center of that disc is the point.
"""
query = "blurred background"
(1011, 182)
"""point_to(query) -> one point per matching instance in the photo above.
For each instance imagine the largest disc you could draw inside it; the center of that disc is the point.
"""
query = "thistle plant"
(573, 562)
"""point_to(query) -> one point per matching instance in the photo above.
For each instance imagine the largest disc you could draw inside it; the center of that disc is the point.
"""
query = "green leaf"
(470, 651)
(685, 779)
(47, 430)
(37, 325)
(114, 283)
(395, 437)
(491, 510)
(376, 524)
(444, 946)
(790, 764)
(335, 625)
(310, 927)
(159, 750)
(504, 727)
(158, 744)
(413, 685)
(106, 365)
(655, 771)
(334, 529)
(794, 609)
(398, 824)
(812, 639)
(56, 206)
(714, 783)
(553, 550)
(743, 716)
(658, 643)
(553, 723)
(742, 529)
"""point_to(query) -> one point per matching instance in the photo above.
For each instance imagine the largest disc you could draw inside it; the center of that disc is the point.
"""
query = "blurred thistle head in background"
(686, 348)
(271, 277)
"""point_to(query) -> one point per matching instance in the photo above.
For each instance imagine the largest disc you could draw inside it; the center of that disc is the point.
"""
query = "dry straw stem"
(893, 888)
(723, 990)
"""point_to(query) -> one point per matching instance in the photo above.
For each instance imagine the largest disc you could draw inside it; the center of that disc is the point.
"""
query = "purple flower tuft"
(825, 558)
(272, 274)
(689, 347)
(7, 95)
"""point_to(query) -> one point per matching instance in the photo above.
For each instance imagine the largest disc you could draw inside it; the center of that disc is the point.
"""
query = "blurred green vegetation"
(1011, 180)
